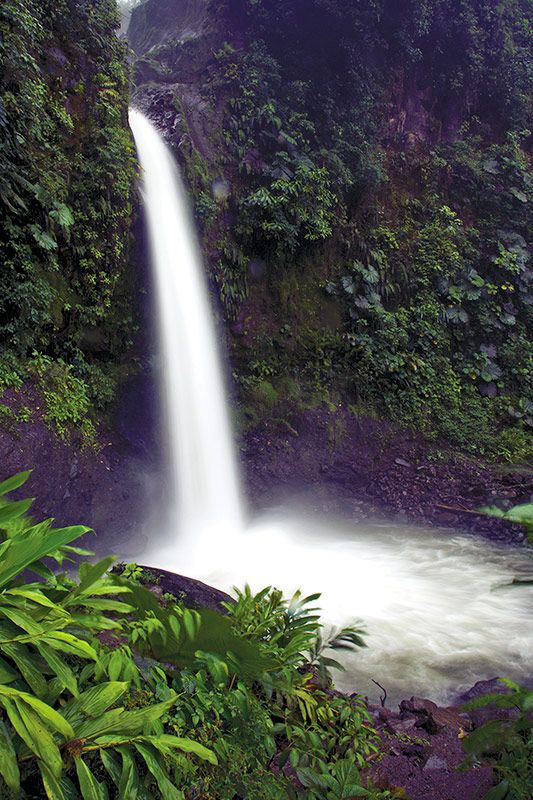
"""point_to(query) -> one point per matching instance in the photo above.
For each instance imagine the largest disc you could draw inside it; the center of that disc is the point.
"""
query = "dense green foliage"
(107, 691)
(66, 175)
(378, 192)
(505, 743)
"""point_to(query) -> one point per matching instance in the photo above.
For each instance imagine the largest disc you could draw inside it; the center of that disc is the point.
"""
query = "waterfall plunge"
(204, 485)
(435, 616)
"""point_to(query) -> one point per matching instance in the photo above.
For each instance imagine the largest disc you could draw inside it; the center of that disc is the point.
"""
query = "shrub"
(106, 692)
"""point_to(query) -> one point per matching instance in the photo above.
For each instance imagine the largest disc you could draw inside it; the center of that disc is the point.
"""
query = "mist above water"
(435, 606)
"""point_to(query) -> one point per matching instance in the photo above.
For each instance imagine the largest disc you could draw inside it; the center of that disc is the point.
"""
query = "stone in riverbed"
(435, 762)
(434, 719)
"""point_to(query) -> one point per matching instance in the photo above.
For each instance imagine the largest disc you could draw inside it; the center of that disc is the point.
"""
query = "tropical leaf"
(90, 788)
(12, 511)
(89, 575)
(14, 482)
(95, 701)
(129, 777)
(35, 543)
(9, 768)
(157, 767)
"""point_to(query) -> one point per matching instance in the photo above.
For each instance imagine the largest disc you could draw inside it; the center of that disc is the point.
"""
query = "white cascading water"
(204, 484)
(436, 606)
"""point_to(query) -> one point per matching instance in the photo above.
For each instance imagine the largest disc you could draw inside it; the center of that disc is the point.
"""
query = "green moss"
(66, 397)
(265, 394)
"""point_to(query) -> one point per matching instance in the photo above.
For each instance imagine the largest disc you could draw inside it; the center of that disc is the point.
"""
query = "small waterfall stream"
(436, 608)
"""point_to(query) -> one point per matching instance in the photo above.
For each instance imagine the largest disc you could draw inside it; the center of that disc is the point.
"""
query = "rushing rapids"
(437, 607)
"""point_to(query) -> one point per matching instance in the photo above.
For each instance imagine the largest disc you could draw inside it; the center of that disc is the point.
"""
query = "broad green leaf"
(59, 667)
(14, 510)
(52, 786)
(14, 482)
(67, 643)
(89, 786)
(499, 792)
(42, 741)
(114, 668)
(124, 723)
(311, 779)
(79, 551)
(35, 597)
(490, 735)
(22, 620)
(109, 589)
(43, 239)
(7, 673)
(89, 575)
(42, 570)
(157, 767)
(34, 544)
(94, 622)
(191, 621)
(175, 627)
(112, 766)
(52, 718)
(129, 778)
(107, 605)
(8, 760)
(107, 723)
(522, 513)
(29, 670)
(94, 701)
(63, 215)
(185, 745)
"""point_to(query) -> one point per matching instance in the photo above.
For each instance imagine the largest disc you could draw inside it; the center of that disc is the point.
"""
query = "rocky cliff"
(361, 181)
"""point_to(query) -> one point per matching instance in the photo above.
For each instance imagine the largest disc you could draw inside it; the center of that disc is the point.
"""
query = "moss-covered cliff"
(361, 176)
(66, 178)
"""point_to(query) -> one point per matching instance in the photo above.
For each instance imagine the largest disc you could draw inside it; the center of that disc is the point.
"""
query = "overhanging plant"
(63, 722)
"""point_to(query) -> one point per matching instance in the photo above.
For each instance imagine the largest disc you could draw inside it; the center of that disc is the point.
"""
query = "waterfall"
(203, 477)
(435, 604)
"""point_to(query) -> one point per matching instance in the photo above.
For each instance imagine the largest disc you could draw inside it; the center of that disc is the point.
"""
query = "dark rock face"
(340, 462)
(355, 465)
(108, 488)
(156, 22)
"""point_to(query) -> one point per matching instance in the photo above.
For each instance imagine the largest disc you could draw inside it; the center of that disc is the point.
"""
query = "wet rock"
(433, 718)
(402, 726)
(479, 716)
(399, 478)
(413, 750)
(435, 762)
(195, 593)
(402, 462)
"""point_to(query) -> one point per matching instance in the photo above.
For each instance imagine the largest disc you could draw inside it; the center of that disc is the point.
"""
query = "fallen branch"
(383, 697)
(460, 510)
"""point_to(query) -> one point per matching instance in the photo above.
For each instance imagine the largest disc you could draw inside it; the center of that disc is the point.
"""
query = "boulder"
(194, 593)
(433, 718)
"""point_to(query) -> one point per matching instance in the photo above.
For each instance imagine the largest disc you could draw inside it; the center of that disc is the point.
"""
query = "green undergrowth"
(71, 402)
(373, 237)
(67, 170)
(505, 743)
(107, 691)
